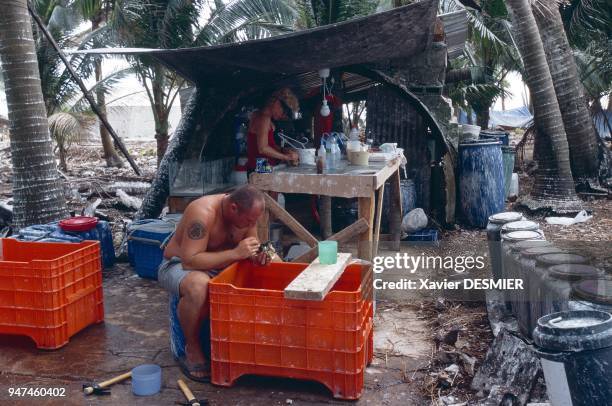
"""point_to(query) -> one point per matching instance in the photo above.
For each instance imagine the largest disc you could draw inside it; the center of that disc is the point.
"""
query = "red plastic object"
(78, 223)
(49, 291)
(255, 330)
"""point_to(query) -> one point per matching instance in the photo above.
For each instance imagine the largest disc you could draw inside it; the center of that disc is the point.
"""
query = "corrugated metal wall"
(391, 119)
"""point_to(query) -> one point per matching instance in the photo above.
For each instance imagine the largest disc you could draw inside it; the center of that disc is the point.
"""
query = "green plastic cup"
(328, 252)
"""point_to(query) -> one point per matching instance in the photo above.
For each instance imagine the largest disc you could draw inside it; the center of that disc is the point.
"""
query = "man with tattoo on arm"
(214, 232)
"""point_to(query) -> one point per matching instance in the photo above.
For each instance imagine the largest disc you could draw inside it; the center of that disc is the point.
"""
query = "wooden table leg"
(263, 226)
(366, 210)
(325, 216)
(379, 207)
(395, 211)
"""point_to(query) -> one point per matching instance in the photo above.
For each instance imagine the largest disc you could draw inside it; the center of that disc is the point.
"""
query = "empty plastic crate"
(49, 291)
(146, 240)
(255, 330)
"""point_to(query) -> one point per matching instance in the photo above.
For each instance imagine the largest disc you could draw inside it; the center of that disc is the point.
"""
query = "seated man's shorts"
(171, 273)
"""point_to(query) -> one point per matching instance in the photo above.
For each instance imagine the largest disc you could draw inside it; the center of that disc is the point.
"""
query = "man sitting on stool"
(214, 232)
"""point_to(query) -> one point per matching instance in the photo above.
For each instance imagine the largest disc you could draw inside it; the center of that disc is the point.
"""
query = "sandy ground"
(408, 355)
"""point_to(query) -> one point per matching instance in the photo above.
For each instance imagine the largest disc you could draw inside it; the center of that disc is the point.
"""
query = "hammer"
(191, 400)
(101, 388)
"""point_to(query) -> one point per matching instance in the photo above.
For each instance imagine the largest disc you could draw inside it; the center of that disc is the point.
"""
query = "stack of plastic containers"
(494, 227)
(511, 234)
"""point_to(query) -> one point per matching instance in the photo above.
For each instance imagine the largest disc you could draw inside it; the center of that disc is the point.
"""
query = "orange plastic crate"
(49, 291)
(255, 330)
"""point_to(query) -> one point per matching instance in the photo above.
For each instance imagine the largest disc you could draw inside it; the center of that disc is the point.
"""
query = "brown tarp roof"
(399, 33)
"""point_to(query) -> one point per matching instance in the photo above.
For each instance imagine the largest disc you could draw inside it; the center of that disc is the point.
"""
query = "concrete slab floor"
(135, 331)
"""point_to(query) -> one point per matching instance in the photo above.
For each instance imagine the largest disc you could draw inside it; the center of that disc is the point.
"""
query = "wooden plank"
(341, 236)
(317, 279)
(366, 211)
(381, 193)
(386, 172)
(395, 211)
(287, 219)
(339, 185)
(263, 226)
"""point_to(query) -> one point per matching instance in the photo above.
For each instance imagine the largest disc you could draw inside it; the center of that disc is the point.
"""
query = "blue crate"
(146, 241)
(424, 235)
(53, 233)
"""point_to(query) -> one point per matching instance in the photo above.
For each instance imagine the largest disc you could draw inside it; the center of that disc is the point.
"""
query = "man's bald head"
(247, 197)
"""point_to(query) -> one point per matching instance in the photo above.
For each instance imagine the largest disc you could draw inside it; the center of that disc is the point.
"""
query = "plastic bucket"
(146, 380)
(494, 227)
(481, 181)
(510, 256)
(575, 349)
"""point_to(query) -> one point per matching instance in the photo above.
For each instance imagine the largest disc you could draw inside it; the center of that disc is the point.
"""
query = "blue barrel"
(481, 181)
(492, 135)
(508, 154)
(177, 338)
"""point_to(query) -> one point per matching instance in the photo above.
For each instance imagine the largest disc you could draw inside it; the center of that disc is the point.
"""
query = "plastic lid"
(574, 272)
(521, 236)
(523, 225)
(78, 223)
(505, 217)
(575, 330)
(557, 259)
(521, 245)
(597, 290)
(535, 251)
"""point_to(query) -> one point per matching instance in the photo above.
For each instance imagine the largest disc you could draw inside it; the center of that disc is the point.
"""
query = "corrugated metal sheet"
(391, 119)
(456, 30)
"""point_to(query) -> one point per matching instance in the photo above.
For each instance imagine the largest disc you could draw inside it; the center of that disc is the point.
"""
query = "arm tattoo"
(196, 231)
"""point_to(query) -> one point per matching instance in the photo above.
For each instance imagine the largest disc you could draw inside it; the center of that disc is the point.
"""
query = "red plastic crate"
(49, 291)
(255, 330)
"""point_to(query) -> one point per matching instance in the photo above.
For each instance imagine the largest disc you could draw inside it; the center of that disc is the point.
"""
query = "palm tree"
(554, 186)
(97, 12)
(69, 114)
(581, 135)
(490, 52)
(176, 24)
(37, 191)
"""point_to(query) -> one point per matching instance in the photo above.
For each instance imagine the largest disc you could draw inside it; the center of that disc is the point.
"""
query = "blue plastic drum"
(481, 181)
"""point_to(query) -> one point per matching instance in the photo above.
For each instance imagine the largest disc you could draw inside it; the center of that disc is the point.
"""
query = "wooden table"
(366, 183)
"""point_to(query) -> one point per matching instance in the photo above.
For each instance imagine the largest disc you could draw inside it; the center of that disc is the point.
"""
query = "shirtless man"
(214, 232)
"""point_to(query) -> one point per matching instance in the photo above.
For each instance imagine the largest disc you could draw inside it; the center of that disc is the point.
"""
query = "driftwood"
(510, 369)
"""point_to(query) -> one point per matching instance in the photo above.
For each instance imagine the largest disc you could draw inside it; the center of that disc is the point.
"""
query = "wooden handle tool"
(100, 388)
(187, 392)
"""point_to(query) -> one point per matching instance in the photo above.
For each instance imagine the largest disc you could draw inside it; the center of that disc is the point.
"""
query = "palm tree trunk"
(554, 185)
(110, 153)
(37, 192)
(581, 135)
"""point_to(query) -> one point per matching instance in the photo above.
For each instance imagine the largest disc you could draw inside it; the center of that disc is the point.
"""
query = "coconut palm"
(37, 191)
(60, 92)
(97, 12)
(581, 135)
(554, 186)
(489, 51)
(177, 24)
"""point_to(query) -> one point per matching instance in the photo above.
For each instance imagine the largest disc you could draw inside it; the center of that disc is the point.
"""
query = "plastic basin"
(146, 379)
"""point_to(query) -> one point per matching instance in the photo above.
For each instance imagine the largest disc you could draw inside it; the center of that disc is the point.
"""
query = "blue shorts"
(171, 273)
